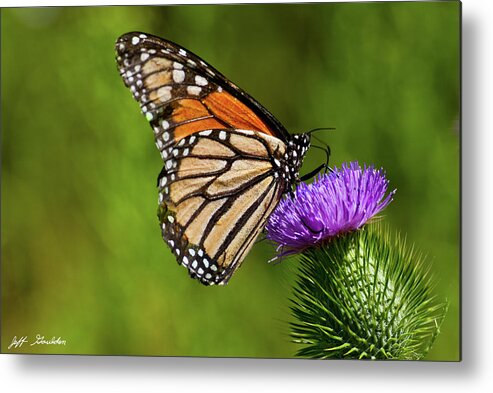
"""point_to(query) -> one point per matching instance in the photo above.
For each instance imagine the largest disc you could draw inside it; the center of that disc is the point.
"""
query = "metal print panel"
(267, 181)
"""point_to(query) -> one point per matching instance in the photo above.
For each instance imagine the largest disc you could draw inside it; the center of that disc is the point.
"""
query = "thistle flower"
(337, 203)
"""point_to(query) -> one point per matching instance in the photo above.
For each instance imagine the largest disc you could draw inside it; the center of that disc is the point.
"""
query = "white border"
(32, 3)
(132, 374)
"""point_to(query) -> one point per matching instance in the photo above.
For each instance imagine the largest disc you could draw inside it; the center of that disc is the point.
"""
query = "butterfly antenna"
(320, 129)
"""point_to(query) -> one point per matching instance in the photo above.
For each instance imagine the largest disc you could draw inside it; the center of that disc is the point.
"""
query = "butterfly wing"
(221, 151)
(181, 94)
(217, 189)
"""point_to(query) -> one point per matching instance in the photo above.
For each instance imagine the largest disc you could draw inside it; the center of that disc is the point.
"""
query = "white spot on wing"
(164, 93)
(178, 76)
(200, 80)
(135, 40)
(246, 132)
(194, 90)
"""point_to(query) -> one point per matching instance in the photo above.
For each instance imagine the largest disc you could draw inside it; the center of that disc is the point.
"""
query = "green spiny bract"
(364, 296)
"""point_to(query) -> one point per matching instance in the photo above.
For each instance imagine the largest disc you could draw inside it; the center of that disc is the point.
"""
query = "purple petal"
(335, 203)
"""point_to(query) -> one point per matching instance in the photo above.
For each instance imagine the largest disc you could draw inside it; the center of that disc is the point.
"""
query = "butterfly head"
(295, 153)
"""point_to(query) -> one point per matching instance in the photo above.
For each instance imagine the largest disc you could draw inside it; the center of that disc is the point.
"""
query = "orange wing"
(180, 94)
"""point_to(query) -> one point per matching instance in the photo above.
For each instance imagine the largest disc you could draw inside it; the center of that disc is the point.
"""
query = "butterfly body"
(227, 160)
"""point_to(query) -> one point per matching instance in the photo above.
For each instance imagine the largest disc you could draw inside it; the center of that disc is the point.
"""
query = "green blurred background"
(82, 254)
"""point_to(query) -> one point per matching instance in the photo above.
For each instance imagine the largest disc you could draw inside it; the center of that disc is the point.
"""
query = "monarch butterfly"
(227, 160)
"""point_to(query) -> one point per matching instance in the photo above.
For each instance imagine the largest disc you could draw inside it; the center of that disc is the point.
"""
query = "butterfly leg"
(327, 153)
(314, 172)
(326, 150)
